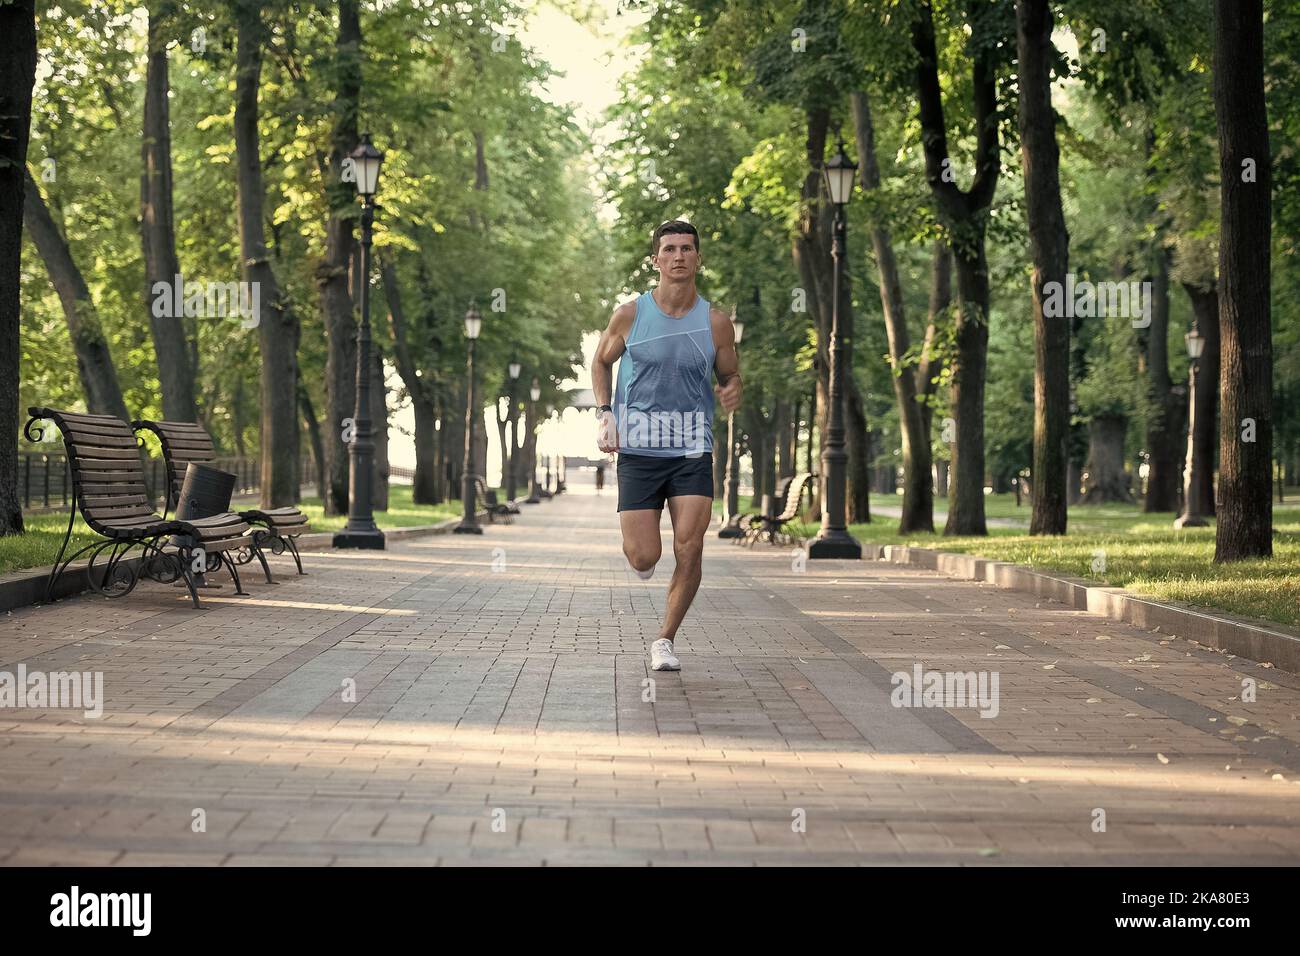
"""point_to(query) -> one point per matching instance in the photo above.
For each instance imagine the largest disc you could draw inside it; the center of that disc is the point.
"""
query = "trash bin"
(205, 492)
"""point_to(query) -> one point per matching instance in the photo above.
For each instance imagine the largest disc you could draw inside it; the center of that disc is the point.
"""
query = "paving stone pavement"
(463, 700)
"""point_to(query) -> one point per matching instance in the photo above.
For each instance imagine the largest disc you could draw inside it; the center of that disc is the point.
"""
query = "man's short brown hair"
(675, 227)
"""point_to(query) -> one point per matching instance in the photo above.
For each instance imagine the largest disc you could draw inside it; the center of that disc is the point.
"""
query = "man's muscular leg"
(690, 515)
(641, 542)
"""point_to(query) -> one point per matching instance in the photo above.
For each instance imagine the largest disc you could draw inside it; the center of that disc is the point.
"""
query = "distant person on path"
(600, 476)
(660, 420)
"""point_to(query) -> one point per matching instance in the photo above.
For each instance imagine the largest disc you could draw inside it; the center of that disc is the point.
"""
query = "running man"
(660, 421)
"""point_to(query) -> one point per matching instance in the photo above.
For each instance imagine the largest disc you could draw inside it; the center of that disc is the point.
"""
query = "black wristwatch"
(601, 409)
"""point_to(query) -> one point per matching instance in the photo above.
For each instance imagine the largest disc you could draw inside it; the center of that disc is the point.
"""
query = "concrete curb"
(27, 586)
(324, 540)
(1254, 640)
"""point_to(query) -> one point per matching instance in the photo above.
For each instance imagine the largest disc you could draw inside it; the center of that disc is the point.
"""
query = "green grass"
(401, 512)
(1141, 552)
(40, 545)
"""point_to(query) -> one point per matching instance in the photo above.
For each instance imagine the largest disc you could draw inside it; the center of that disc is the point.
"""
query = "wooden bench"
(773, 527)
(492, 504)
(109, 490)
(772, 505)
(186, 442)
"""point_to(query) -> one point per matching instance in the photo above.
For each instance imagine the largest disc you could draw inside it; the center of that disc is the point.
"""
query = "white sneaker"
(662, 657)
(643, 575)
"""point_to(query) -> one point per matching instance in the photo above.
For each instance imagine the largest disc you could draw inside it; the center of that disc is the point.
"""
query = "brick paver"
(417, 706)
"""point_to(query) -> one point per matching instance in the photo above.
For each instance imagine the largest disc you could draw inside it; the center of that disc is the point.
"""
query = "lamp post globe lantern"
(838, 172)
(833, 539)
(366, 161)
(1194, 507)
(361, 530)
(469, 520)
(731, 520)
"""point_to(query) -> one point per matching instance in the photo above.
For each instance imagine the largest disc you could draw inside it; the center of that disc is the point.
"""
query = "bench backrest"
(107, 474)
(182, 443)
(793, 495)
(488, 495)
(782, 492)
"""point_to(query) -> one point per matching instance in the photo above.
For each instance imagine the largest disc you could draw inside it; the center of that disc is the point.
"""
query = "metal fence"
(44, 482)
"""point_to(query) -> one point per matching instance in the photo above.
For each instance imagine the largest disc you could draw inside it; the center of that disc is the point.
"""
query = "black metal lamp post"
(507, 453)
(1193, 515)
(534, 492)
(834, 540)
(469, 522)
(361, 531)
(731, 528)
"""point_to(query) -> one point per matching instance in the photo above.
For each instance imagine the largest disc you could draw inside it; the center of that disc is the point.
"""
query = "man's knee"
(689, 552)
(643, 556)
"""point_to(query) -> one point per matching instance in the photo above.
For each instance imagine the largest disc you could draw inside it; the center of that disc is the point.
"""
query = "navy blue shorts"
(645, 481)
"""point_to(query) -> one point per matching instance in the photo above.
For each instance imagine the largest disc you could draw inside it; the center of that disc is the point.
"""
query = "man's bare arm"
(613, 342)
(726, 360)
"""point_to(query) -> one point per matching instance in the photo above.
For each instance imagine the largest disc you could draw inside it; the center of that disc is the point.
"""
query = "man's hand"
(606, 432)
(730, 394)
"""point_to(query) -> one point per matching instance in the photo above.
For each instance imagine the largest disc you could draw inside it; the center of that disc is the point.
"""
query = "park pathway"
(500, 716)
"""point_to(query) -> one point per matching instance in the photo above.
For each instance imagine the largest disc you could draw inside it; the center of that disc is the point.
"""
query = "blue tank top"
(663, 402)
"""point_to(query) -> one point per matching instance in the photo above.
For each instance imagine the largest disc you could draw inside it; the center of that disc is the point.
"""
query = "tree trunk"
(278, 325)
(1049, 244)
(516, 448)
(94, 360)
(918, 492)
(857, 435)
(176, 374)
(1165, 405)
(17, 75)
(379, 430)
(530, 445)
(238, 418)
(769, 462)
(811, 251)
(1104, 478)
(1203, 437)
(425, 488)
(501, 421)
(932, 357)
(332, 271)
(964, 215)
(758, 450)
(313, 436)
(784, 442)
(480, 436)
(453, 438)
(966, 505)
(1245, 507)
